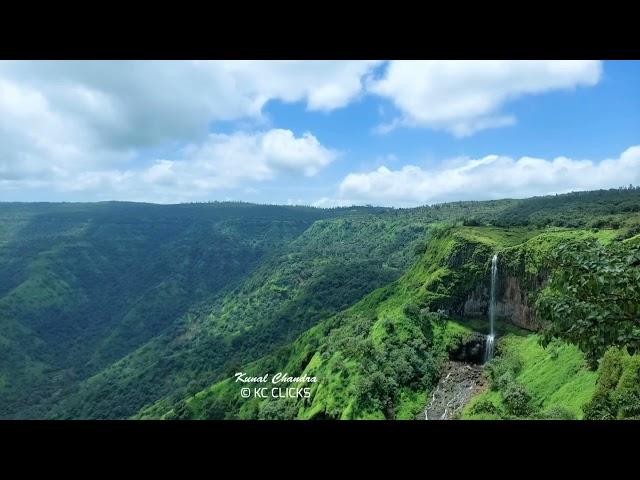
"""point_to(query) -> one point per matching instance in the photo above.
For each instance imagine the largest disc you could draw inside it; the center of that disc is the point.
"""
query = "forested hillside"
(114, 310)
(81, 285)
(329, 267)
(382, 357)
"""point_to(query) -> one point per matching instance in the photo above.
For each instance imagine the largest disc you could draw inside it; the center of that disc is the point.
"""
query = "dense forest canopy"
(110, 308)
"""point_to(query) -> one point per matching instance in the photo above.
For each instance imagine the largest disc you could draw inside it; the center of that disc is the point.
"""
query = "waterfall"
(489, 343)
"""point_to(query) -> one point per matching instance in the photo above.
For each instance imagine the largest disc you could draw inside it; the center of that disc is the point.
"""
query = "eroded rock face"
(512, 303)
(477, 303)
(515, 305)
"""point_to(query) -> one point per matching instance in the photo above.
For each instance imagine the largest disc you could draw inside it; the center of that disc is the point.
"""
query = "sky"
(322, 133)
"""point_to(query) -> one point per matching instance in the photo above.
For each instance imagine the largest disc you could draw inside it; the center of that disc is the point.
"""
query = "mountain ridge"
(72, 275)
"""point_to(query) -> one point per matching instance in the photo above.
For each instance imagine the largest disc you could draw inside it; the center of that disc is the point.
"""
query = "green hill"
(114, 309)
(382, 357)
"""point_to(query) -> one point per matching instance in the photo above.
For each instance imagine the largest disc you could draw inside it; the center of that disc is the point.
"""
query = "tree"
(593, 299)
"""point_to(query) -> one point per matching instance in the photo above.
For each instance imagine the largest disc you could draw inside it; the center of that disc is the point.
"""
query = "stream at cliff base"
(460, 381)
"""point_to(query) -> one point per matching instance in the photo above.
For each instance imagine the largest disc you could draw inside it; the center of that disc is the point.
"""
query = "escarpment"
(513, 303)
(518, 282)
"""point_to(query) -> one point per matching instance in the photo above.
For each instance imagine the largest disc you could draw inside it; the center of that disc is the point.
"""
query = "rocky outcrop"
(512, 302)
(476, 303)
(516, 306)
(458, 384)
(469, 349)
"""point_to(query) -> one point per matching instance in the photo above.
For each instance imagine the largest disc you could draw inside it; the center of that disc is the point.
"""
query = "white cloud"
(491, 177)
(221, 162)
(37, 141)
(108, 129)
(464, 97)
(68, 117)
(324, 85)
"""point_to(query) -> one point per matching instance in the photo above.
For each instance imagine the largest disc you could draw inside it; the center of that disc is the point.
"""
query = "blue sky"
(316, 133)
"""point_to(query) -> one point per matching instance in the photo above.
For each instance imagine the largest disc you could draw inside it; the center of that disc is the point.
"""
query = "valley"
(141, 311)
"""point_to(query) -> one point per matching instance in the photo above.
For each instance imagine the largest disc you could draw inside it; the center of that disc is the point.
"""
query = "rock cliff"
(512, 302)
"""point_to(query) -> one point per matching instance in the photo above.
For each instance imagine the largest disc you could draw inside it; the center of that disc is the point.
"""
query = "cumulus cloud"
(134, 103)
(324, 85)
(221, 162)
(81, 116)
(464, 97)
(142, 129)
(490, 177)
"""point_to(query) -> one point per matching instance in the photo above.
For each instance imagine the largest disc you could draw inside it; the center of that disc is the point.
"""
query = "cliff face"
(462, 288)
(512, 302)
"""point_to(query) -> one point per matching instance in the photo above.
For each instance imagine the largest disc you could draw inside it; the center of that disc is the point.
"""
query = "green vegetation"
(83, 285)
(114, 309)
(529, 381)
(325, 270)
(381, 357)
(593, 299)
(617, 393)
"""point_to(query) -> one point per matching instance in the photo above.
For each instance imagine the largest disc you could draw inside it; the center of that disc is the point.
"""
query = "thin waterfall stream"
(490, 341)
(462, 376)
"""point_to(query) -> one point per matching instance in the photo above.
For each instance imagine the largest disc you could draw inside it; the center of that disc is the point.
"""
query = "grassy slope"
(57, 259)
(336, 350)
(617, 394)
(325, 270)
(453, 263)
(293, 292)
(555, 376)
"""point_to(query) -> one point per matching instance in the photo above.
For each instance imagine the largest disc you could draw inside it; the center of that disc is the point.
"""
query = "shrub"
(180, 412)
(517, 400)
(553, 348)
(412, 311)
(504, 369)
(278, 409)
(484, 407)
(420, 248)
(504, 381)
(617, 393)
(502, 374)
(558, 412)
